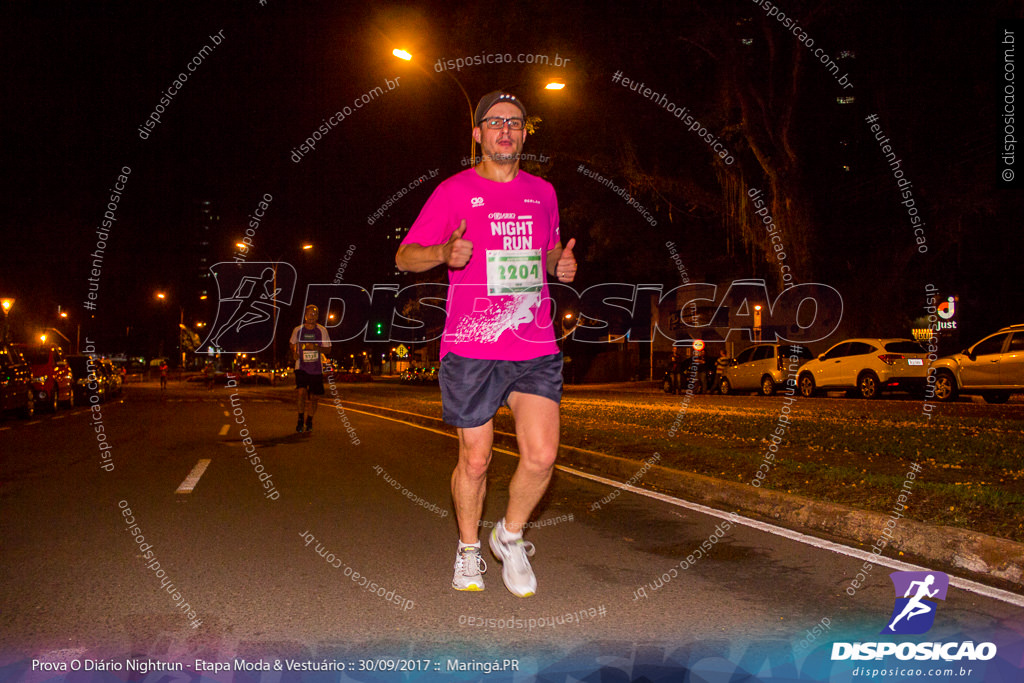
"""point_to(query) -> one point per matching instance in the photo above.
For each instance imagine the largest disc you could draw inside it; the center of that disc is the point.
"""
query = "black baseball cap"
(493, 98)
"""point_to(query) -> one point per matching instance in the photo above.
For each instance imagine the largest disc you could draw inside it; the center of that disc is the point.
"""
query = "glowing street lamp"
(7, 304)
(554, 85)
(181, 326)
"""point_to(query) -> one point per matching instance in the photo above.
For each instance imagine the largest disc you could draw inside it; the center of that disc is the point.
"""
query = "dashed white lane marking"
(224, 430)
(963, 584)
(193, 477)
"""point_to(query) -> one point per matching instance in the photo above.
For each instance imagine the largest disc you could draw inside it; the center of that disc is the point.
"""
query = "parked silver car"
(993, 367)
(763, 368)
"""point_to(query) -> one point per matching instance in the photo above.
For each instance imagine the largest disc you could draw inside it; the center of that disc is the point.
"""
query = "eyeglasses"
(498, 122)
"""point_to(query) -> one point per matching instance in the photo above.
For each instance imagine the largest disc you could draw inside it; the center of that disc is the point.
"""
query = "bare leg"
(537, 422)
(469, 480)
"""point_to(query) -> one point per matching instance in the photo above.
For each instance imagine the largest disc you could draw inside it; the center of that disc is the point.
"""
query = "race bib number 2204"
(512, 272)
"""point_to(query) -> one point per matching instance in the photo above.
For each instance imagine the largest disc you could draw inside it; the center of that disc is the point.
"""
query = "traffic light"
(378, 329)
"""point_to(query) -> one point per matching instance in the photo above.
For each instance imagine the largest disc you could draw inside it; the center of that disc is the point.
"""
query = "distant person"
(163, 374)
(721, 363)
(307, 341)
(697, 372)
(496, 229)
(675, 372)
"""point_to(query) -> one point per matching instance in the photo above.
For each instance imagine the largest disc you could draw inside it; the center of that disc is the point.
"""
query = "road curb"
(979, 555)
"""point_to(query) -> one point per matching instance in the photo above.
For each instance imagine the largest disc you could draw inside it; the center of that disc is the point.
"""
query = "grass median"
(972, 470)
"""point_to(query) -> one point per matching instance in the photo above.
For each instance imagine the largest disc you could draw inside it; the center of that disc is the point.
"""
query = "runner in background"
(307, 340)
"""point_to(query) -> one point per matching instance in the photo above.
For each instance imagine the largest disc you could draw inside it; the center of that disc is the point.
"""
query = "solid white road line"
(193, 477)
(963, 584)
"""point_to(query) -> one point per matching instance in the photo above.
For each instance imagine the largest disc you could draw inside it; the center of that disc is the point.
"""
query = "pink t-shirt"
(498, 304)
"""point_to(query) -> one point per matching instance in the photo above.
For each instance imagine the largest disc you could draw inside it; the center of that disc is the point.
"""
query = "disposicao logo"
(914, 612)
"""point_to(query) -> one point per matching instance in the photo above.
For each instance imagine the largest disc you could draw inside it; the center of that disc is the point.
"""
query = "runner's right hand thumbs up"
(456, 250)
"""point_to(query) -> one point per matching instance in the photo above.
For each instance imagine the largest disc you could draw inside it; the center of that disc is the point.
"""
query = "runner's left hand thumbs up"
(565, 269)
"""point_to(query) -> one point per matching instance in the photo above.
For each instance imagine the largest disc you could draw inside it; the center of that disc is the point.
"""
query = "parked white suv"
(867, 367)
(994, 368)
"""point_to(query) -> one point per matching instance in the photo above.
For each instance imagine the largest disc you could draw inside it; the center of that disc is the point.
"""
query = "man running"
(496, 229)
(307, 341)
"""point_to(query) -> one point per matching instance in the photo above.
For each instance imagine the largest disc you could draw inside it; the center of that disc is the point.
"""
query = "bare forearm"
(416, 258)
(553, 256)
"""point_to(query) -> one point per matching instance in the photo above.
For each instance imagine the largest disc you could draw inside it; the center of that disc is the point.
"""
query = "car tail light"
(890, 358)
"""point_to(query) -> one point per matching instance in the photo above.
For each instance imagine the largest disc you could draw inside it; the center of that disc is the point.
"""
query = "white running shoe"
(469, 569)
(514, 556)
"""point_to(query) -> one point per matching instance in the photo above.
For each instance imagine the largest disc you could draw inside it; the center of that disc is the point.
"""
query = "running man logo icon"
(914, 612)
(250, 296)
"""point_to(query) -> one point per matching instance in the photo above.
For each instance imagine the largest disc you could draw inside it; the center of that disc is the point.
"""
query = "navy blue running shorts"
(305, 380)
(473, 389)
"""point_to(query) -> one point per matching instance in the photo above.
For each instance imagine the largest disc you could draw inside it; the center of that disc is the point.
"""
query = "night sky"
(79, 81)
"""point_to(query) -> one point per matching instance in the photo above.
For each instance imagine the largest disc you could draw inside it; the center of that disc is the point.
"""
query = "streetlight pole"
(181, 333)
(402, 54)
(54, 329)
(472, 123)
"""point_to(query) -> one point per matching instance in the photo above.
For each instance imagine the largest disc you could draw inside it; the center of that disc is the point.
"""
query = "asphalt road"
(269, 575)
